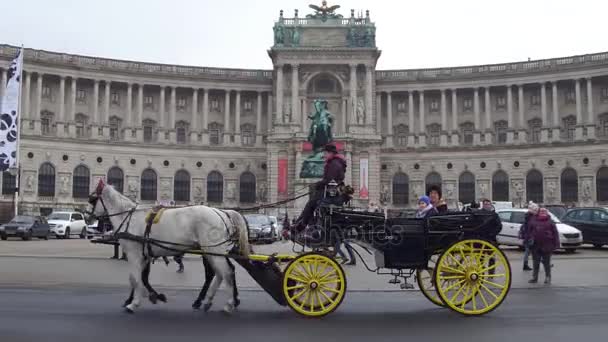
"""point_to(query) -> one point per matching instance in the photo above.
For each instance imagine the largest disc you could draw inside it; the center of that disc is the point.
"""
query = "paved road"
(94, 314)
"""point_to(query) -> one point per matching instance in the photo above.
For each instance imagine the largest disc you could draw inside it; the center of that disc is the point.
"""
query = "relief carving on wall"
(263, 192)
(165, 189)
(586, 190)
(64, 184)
(385, 194)
(551, 189)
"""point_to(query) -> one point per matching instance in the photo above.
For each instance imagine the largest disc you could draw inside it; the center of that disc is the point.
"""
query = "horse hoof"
(128, 310)
(207, 306)
(196, 305)
(237, 303)
(153, 297)
(127, 302)
(228, 309)
(162, 297)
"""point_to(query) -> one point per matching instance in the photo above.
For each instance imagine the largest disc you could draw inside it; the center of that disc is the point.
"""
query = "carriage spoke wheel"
(426, 282)
(473, 277)
(314, 285)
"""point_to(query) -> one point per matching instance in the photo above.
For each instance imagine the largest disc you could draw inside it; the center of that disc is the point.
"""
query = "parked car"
(570, 238)
(26, 227)
(593, 222)
(558, 210)
(66, 223)
(93, 229)
(260, 228)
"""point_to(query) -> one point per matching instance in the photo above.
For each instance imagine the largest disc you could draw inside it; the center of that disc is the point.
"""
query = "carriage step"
(407, 286)
(394, 281)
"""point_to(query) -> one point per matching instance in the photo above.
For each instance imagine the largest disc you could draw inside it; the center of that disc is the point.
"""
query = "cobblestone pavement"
(78, 262)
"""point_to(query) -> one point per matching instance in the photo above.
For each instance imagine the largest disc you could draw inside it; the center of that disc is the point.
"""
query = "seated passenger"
(437, 200)
(425, 208)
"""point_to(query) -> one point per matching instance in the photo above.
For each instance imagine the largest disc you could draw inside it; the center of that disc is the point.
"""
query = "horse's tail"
(243, 230)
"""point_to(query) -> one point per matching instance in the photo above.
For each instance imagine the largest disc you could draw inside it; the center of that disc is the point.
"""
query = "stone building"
(534, 130)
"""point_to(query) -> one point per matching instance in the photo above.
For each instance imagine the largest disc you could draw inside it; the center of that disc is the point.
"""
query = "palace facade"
(533, 130)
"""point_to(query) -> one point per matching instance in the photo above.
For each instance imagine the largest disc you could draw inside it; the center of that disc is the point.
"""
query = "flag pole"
(17, 159)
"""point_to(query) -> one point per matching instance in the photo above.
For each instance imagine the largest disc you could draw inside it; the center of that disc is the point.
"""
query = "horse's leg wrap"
(209, 274)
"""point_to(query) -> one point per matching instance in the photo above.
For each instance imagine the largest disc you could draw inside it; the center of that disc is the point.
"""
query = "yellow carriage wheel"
(426, 281)
(314, 285)
(473, 277)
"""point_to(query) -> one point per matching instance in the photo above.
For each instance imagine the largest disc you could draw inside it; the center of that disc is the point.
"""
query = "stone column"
(411, 137)
(96, 121)
(389, 119)
(271, 114)
(590, 112)
(369, 79)
(476, 118)
(378, 113)
(488, 119)
(129, 121)
(510, 123)
(522, 121)
(194, 119)
(544, 133)
(161, 112)
(422, 128)
(258, 119)
(227, 129)
(106, 110)
(26, 93)
(71, 123)
(295, 93)
(353, 94)
(38, 108)
(61, 117)
(579, 111)
(344, 114)
(205, 127)
(555, 111)
(140, 113)
(172, 108)
(455, 135)
(279, 99)
(237, 119)
(444, 120)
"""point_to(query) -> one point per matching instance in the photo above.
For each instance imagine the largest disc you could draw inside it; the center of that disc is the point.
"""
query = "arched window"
(8, 183)
(500, 186)
(46, 180)
(215, 187)
(401, 189)
(81, 181)
(247, 188)
(466, 187)
(181, 186)
(148, 185)
(534, 186)
(432, 178)
(601, 184)
(569, 185)
(116, 178)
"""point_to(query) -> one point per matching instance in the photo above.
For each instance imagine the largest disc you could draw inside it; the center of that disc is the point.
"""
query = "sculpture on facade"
(279, 35)
(324, 12)
(295, 36)
(262, 192)
(385, 195)
(361, 37)
(586, 196)
(320, 134)
(65, 182)
(360, 112)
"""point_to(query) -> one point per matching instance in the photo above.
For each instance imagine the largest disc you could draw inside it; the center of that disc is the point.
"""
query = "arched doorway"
(601, 184)
(500, 186)
(328, 87)
(401, 189)
(569, 186)
(466, 187)
(432, 179)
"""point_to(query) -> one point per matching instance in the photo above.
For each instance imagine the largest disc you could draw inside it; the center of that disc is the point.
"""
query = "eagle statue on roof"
(324, 11)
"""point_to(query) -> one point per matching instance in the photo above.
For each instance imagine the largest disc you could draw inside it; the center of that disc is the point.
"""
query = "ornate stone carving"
(517, 189)
(385, 194)
(483, 188)
(132, 187)
(165, 189)
(417, 190)
(586, 186)
(231, 191)
(64, 184)
(360, 112)
(551, 189)
(263, 192)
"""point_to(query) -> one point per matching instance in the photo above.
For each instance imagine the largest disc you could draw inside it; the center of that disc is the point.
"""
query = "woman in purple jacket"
(542, 231)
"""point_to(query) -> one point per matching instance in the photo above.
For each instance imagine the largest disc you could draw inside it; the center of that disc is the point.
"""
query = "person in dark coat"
(543, 232)
(532, 211)
(437, 201)
(335, 169)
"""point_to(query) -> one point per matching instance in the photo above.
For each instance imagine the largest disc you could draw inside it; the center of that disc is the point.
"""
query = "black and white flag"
(9, 121)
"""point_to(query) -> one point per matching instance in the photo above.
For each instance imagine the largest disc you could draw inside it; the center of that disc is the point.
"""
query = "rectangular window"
(604, 95)
(501, 102)
(570, 96)
(148, 101)
(215, 104)
(402, 106)
(214, 136)
(247, 105)
(46, 126)
(80, 132)
(115, 98)
(181, 135)
(535, 100)
(434, 105)
(46, 92)
(81, 96)
(181, 103)
(467, 104)
(148, 133)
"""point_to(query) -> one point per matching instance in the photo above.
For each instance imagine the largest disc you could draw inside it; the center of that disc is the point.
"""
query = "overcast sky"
(237, 33)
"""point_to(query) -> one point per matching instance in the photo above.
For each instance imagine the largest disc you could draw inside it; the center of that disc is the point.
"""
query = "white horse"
(180, 229)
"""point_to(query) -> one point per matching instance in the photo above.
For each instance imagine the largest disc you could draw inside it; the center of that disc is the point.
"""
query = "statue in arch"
(320, 134)
(360, 112)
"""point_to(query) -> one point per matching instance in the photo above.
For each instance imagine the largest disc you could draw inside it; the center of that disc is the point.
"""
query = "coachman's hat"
(330, 148)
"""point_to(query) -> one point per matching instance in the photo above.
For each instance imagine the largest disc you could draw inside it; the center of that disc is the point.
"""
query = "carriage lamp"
(332, 189)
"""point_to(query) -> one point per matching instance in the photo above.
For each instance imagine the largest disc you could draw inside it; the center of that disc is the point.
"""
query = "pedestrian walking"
(545, 239)
(532, 211)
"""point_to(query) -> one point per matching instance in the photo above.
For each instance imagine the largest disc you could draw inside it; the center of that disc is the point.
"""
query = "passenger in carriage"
(335, 169)
(426, 209)
(437, 199)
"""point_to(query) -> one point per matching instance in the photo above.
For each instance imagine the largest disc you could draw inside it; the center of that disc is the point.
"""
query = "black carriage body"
(404, 242)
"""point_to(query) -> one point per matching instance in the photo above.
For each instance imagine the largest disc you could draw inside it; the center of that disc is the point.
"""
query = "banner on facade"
(9, 120)
(282, 179)
(363, 178)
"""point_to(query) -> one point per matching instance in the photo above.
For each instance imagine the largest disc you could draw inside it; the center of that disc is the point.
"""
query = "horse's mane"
(119, 199)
